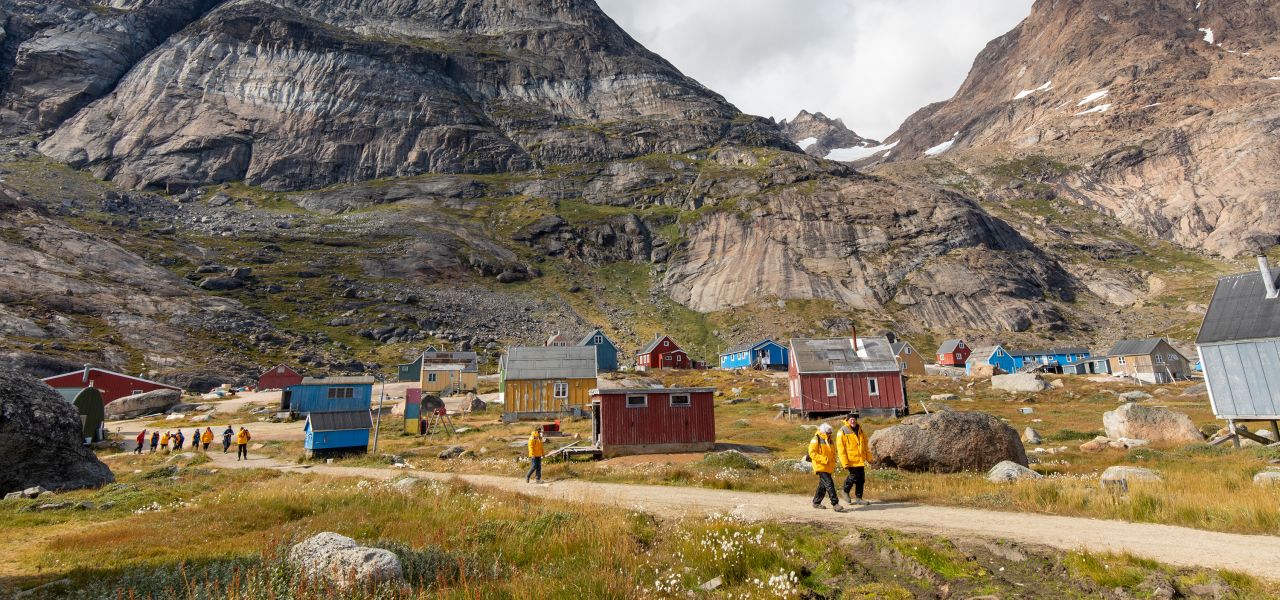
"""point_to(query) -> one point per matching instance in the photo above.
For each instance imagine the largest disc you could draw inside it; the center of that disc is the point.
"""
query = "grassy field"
(169, 529)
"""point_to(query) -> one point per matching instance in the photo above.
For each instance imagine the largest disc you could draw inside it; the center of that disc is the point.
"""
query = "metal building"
(1239, 344)
(339, 431)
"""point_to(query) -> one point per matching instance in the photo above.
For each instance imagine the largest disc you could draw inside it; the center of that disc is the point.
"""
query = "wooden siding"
(466, 380)
(912, 364)
(305, 399)
(1243, 379)
(112, 386)
(1144, 368)
(809, 391)
(337, 440)
(537, 396)
(658, 423)
(275, 379)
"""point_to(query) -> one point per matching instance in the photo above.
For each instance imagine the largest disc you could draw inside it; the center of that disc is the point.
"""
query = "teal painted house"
(764, 354)
(331, 394)
(606, 352)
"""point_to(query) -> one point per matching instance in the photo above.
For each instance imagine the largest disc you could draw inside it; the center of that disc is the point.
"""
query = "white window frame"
(688, 401)
(873, 387)
(832, 389)
(906, 349)
(560, 390)
(644, 401)
(1173, 358)
(598, 340)
(1159, 359)
(431, 377)
(1120, 360)
(133, 392)
(665, 343)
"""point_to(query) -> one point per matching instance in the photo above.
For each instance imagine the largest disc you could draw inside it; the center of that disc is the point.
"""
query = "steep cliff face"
(1167, 111)
(820, 135)
(293, 95)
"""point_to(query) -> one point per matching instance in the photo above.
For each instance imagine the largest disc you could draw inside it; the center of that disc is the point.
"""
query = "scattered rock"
(340, 560)
(947, 442)
(201, 418)
(712, 585)
(1057, 384)
(40, 439)
(1097, 444)
(14, 496)
(1270, 477)
(1198, 389)
(1031, 436)
(1007, 471)
(452, 452)
(1154, 424)
(475, 404)
(1129, 474)
(942, 397)
(34, 492)
(794, 466)
(221, 284)
(732, 401)
(1018, 383)
(1134, 396)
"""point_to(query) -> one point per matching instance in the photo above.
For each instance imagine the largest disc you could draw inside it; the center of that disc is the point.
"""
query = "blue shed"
(328, 395)
(339, 431)
(606, 352)
(764, 354)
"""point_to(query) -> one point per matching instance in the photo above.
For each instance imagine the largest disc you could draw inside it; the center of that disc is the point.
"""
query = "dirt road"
(1257, 555)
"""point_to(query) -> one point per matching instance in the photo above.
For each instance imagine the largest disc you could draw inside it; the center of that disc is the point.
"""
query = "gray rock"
(1154, 424)
(1267, 478)
(475, 404)
(712, 584)
(40, 439)
(1057, 384)
(221, 284)
(340, 560)
(793, 466)
(1134, 396)
(142, 404)
(1198, 389)
(1129, 475)
(451, 452)
(948, 442)
(14, 496)
(1007, 471)
(1031, 436)
(1018, 383)
(34, 492)
(942, 397)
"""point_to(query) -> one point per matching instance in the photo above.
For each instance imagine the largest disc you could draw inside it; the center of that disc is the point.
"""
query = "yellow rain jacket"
(164, 440)
(851, 447)
(535, 446)
(207, 437)
(242, 437)
(822, 453)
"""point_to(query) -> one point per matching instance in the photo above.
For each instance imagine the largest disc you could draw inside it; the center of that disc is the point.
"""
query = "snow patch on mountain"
(943, 147)
(1024, 93)
(1098, 95)
(806, 142)
(1097, 109)
(1208, 34)
(858, 152)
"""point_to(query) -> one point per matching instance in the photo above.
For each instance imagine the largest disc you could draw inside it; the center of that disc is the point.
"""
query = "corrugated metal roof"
(567, 362)
(745, 346)
(1240, 310)
(654, 344)
(1048, 351)
(837, 355)
(471, 359)
(340, 420)
(948, 346)
(443, 367)
(338, 380)
(982, 353)
(1134, 347)
(652, 390)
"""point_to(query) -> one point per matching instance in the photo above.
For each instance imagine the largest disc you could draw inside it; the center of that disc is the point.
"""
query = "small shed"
(953, 353)
(606, 350)
(279, 377)
(662, 352)
(112, 385)
(328, 395)
(653, 420)
(1239, 344)
(464, 380)
(832, 376)
(338, 431)
(410, 371)
(763, 354)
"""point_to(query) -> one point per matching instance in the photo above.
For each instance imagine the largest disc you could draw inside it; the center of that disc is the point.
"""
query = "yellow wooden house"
(449, 373)
(546, 382)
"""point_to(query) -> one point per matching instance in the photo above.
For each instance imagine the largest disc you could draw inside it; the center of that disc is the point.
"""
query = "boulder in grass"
(1129, 475)
(1267, 478)
(947, 442)
(451, 452)
(1008, 471)
(1154, 424)
(1031, 436)
(1134, 396)
(41, 440)
(339, 560)
(1019, 383)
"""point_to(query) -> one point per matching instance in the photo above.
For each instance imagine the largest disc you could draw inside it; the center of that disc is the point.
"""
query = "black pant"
(138, 450)
(535, 468)
(225, 444)
(857, 477)
(242, 450)
(826, 487)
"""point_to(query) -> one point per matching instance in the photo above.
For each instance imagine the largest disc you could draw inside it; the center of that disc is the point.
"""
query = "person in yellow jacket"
(536, 452)
(242, 444)
(823, 455)
(207, 438)
(164, 442)
(851, 448)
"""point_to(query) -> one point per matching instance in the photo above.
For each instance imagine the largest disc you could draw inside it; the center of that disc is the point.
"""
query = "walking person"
(142, 440)
(536, 453)
(207, 438)
(155, 441)
(851, 447)
(164, 442)
(195, 439)
(226, 438)
(823, 454)
(242, 444)
(178, 438)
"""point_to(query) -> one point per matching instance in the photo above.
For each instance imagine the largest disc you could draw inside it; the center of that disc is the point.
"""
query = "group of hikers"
(850, 448)
(199, 440)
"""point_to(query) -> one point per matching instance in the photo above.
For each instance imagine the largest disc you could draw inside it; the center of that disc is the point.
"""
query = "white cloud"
(870, 62)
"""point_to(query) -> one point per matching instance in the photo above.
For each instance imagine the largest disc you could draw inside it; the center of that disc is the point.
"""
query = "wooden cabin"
(909, 361)
(653, 420)
(448, 373)
(953, 353)
(834, 376)
(110, 384)
(606, 350)
(545, 382)
(662, 352)
(1151, 360)
(279, 377)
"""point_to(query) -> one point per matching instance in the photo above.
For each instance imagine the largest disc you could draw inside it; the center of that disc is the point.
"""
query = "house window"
(999, 352)
(280, 370)
(960, 345)
(338, 393)
(1173, 358)
(873, 387)
(906, 350)
(1159, 359)
(831, 386)
(598, 340)
(431, 377)
(902, 366)
(560, 389)
(665, 343)
(637, 401)
(1121, 360)
(132, 393)
(795, 388)
(680, 400)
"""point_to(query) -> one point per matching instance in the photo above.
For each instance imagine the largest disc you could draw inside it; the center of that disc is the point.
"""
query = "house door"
(595, 424)
(286, 397)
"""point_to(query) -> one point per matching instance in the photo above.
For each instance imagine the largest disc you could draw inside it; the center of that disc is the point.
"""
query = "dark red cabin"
(113, 386)
(953, 353)
(653, 420)
(832, 376)
(662, 353)
(279, 377)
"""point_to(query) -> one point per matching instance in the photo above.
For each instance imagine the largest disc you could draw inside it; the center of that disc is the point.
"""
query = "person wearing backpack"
(823, 454)
(851, 448)
(242, 444)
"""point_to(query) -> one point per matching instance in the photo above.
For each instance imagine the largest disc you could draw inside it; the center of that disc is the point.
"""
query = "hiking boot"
(838, 508)
(844, 496)
(861, 502)
(816, 505)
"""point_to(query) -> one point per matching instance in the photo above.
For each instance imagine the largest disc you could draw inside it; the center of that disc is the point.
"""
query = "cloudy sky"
(870, 62)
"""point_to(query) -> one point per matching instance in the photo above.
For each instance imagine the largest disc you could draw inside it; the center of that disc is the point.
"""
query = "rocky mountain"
(1163, 114)
(824, 137)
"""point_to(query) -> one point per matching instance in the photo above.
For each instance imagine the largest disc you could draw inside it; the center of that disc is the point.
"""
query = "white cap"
(824, 428)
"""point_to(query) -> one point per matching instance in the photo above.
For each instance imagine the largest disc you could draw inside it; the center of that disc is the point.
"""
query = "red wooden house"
(662, 353)
(953, 353)
(653, 420)
(832, 376)
(279, 377)
(113, 386)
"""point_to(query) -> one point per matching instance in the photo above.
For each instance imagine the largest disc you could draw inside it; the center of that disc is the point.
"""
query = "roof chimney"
(853, 336)
(1267, 278)
(85, 378)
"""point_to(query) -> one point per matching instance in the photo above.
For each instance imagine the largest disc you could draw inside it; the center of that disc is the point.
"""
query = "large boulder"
(338, 559)
(142, 404)
(475, 404)
(947, 442)
(1154, 424)
(1019, 382)
(1129, 474)
(41, 441)
(1007, 471)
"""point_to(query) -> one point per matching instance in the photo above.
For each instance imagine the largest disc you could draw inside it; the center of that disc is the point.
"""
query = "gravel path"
(1257, 555)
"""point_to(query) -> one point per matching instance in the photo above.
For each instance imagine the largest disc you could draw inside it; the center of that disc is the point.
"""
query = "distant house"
(909, 361)
(830, 376)
(1094, 365)
(653, 420)
(110, 384)
(1151, 361)
(337, 432)
(1047, 359)
(558, 340)
(544, 382)
(764, 354)
(331, 394)
(986, 361)
(1239, 345)
(606, 351)
(448, 373)
(662, 353)
(953, 353)
(411, 371)
(278, 377)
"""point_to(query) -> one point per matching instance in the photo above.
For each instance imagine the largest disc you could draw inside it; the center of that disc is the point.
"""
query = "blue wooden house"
(996, 357)
(764, 354)
(338, 431)
(606, 352)
(1049, 359)
(330, 394)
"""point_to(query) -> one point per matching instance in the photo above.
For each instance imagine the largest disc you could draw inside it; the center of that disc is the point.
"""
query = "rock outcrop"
(1154, 424)
(947, 442)
(40, 440)
(1008, 471)
(339, 560)
(142, 404)
(1019, 382)
(818, 135)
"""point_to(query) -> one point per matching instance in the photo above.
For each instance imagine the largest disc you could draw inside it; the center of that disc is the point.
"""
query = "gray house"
(1239, 345)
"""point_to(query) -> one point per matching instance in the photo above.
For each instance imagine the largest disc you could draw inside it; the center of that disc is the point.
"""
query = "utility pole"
(377, 423)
